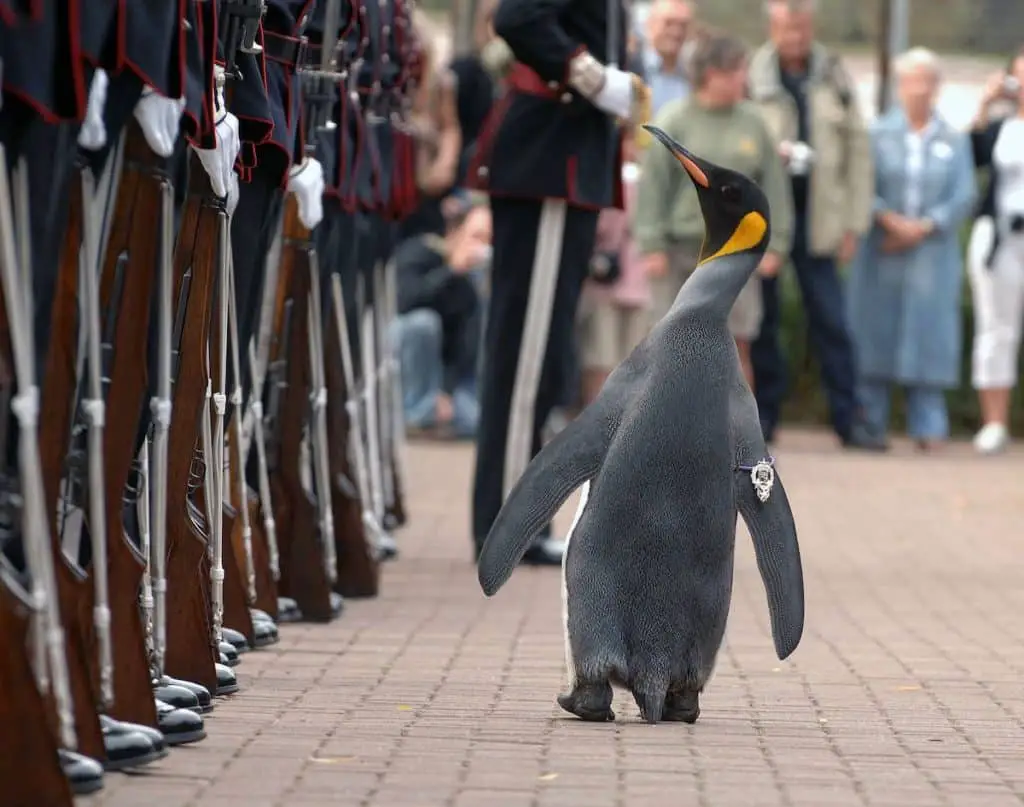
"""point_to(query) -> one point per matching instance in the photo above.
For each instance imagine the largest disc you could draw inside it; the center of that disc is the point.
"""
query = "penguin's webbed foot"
(590, 702)
(682, 706)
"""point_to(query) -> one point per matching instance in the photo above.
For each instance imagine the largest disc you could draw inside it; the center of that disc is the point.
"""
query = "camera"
(800, 156)
(1017, 223)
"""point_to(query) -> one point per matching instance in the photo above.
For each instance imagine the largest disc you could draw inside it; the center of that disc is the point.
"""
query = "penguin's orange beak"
(685, 158)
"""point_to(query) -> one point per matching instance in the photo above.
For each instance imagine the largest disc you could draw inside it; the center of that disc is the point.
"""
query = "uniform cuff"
(586, 75)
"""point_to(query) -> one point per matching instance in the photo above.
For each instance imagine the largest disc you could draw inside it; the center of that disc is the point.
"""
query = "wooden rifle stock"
(73, 590)
(358, 567)
(302, 568)
(191, 654)
(266, 586)
(29, 767)
(126, 287)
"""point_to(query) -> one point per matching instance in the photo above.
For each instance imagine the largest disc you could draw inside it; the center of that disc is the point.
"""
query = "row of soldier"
(204, 432)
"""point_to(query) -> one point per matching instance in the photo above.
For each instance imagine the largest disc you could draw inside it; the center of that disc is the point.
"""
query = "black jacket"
(560, 146)
(426, 281)
(983, 143)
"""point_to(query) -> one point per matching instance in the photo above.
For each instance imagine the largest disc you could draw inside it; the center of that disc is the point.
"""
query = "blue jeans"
(927, 417)
(418, 335)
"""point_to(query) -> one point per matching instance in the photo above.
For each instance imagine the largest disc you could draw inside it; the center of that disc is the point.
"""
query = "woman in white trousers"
(995, 256)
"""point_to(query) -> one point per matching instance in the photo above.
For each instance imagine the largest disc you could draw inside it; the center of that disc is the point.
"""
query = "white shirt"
(916, 142)
(1008, 161)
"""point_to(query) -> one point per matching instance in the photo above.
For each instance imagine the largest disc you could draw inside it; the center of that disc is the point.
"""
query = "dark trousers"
(823, 296)
(515, 224)
(253, 227)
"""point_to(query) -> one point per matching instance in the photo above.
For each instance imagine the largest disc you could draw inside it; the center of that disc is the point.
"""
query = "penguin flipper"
(570, 459)
(773, 531)
(770, 523)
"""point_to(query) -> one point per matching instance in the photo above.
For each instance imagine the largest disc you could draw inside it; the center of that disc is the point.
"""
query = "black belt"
(286, 50)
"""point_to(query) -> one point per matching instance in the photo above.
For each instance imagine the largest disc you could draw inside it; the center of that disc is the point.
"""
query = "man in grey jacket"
(809, 103)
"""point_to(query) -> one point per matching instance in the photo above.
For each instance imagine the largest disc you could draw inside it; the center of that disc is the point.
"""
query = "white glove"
(613, 91)
(616, 95)
(219, 162)
(160, 120)
(93, 134)
(306, 181)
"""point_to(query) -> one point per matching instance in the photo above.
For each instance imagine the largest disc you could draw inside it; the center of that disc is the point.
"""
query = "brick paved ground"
(907, 689)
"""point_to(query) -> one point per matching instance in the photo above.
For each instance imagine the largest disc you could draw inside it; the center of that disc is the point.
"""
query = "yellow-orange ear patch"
(747, 235)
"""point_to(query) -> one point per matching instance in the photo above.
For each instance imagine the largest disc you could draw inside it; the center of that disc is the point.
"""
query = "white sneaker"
(991, 439)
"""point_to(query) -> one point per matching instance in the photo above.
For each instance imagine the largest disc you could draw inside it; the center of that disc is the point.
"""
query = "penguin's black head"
(735, 209)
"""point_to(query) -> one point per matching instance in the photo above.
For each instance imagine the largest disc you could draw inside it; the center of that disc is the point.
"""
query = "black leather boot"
(177, 696)
(235, 639)
(179, 726)
(127, 746)
(288, 610)
(84, 774)
(155, 736)
(228, 654)
(264, 629)
(202, 693)
(227, 684)
(387, 547)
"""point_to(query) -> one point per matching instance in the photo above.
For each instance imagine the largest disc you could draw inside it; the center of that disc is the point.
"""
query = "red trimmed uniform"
(542, 141)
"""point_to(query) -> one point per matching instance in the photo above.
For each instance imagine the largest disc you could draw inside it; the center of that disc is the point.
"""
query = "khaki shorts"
(745, 317)
(608, 333)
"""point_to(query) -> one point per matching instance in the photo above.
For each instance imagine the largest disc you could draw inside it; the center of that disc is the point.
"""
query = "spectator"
(905, 283)
(716, 123)
(435, 124)
(665, 54)
(613, 315)
(996, 255)
(438, 330)
(809, 103)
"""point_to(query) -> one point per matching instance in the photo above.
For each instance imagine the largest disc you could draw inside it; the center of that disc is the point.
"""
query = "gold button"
(552, 85)
(482, 171)
(566, 97)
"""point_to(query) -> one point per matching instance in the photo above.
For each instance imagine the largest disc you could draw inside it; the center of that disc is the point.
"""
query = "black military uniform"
(264, 183)
(542, 141)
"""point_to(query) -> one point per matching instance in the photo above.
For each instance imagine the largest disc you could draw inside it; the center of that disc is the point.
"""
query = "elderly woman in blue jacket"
(905, 282)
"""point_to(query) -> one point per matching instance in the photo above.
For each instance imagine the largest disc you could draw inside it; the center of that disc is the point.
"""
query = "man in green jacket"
(716, 123)
(810, 104)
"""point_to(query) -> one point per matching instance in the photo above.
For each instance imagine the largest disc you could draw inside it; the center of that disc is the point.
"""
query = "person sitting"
(904, 286)
(437, 333)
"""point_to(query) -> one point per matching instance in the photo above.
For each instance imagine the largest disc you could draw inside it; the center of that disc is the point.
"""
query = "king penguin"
(667, 455)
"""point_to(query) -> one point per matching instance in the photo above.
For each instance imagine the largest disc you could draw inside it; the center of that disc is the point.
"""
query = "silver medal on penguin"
(762, 476)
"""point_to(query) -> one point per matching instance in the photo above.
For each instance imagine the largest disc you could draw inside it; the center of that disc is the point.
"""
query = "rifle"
(357, 572)
(190, 646)
(240, 19)
(131, 261)
(57, 586)
(28, 759)
(304, 573)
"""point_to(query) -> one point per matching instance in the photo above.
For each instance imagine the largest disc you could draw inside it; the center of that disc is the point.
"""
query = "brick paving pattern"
(907, 688)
